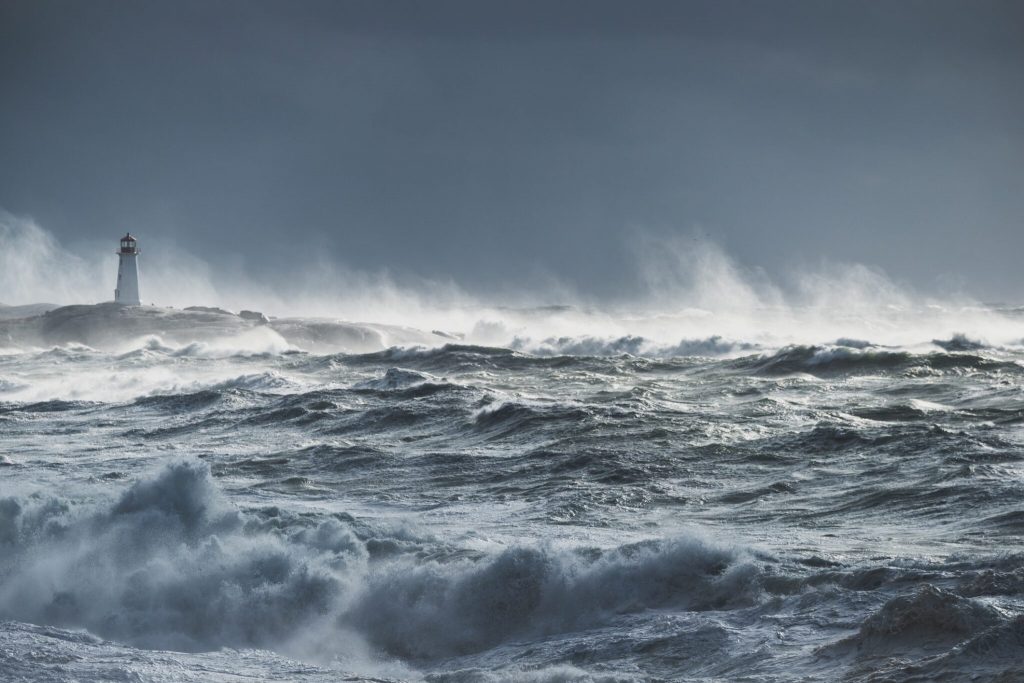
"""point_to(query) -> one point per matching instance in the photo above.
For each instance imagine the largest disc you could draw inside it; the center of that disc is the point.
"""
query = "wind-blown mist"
(38, 269)
(690, 297)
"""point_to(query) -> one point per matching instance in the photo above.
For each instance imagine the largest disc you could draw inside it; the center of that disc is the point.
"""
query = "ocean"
(194, 495)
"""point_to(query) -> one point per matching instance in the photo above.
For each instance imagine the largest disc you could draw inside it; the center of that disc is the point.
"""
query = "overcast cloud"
(499, 145)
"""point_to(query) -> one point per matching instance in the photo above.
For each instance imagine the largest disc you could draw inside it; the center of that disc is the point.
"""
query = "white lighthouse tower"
(127, 291)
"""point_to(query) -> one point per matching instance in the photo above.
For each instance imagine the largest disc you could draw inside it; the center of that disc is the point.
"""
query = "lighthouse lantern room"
(127, 291)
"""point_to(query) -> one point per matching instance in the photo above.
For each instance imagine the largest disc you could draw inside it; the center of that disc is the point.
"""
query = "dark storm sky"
(496, 142)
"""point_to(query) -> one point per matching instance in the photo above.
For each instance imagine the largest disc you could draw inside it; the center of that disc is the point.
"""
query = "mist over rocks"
(112, 326)
(24, 311)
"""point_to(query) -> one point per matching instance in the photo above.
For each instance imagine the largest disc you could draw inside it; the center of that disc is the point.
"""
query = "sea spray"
(171, 564)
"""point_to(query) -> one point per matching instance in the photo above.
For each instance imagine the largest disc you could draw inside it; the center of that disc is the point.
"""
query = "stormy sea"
(544, 494)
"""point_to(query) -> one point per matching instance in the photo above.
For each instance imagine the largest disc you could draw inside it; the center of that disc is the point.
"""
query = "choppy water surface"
(471, 513)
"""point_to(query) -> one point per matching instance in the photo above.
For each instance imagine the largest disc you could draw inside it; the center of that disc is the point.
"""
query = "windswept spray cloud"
(693, 297)
(693, 272)
(37, 268)
(34, 268)
(694, 290)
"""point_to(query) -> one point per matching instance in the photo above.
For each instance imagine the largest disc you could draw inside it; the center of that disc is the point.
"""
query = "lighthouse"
(127, 291)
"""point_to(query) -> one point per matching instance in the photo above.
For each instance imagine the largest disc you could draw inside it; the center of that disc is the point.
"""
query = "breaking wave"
(932, 635)
(867, 359)
(168, 565)
(931, 617)
(713, 346)
(171, 564)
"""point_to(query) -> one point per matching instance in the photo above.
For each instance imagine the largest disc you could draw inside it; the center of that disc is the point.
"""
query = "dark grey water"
(469, 513)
